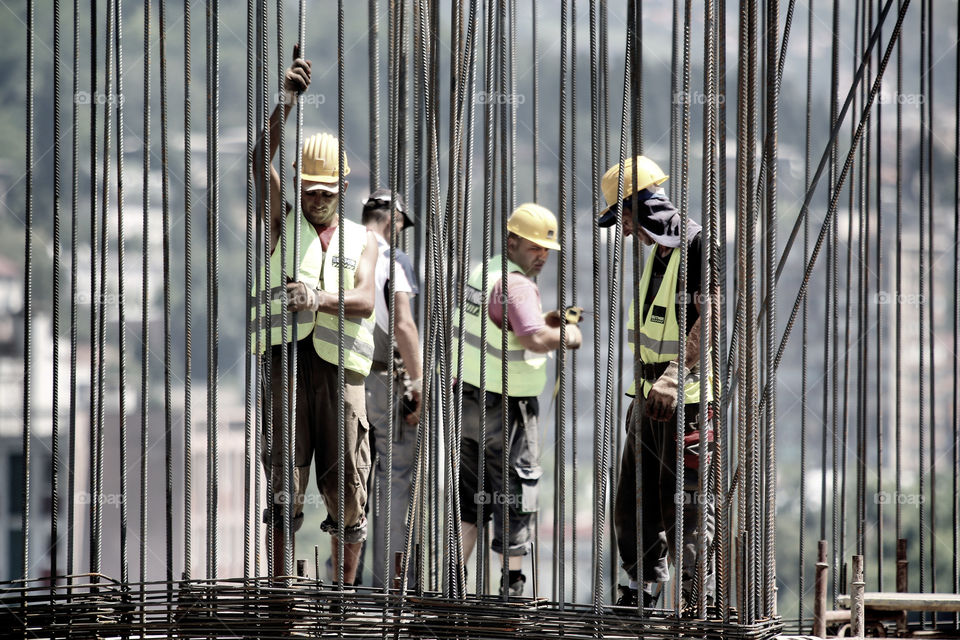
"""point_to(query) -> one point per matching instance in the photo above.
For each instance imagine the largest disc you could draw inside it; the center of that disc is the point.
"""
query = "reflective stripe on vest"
(308, 272)
(658, 338)
(357, 332)
(526, 371)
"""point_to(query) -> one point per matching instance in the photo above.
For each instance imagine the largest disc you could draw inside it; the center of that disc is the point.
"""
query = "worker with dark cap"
(650, 216)
(394, 480)
(532, 234)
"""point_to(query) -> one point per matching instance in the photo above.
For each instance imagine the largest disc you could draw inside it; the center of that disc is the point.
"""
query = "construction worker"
(312, 293)
(652, 218)
(531, 336)
(395, 479)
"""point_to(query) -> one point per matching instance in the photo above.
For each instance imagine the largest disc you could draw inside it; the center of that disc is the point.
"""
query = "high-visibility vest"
(308, 272)
(526, 371)
(357, 332)
(658, 337)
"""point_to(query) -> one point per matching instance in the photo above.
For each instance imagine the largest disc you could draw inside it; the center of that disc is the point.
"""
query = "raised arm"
(296, 80)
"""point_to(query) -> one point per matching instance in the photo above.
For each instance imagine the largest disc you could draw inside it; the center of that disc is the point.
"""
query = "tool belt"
(651, 372)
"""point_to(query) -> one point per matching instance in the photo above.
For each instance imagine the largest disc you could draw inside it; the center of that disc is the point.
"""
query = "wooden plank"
(887, 601)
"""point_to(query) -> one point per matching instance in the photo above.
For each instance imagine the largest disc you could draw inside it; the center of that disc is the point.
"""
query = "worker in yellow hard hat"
(650, 216)
(532, 234)
(312, 294)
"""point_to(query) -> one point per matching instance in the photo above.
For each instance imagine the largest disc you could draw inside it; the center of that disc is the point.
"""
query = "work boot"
(517, 580)
(627, 598)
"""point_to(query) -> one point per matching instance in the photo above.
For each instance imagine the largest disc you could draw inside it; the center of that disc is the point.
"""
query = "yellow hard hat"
(535, 223)
(320, 161)
(648, 174)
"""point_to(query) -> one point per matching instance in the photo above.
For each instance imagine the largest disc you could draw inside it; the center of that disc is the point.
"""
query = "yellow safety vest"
(659, 335)
(526, 371)
(357, 332)
(308, 272)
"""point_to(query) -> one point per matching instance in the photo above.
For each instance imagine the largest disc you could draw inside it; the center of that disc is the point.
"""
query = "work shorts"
(523, 475)
(316, 439)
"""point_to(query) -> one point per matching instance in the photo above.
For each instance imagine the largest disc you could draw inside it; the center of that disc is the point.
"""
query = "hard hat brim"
(319, 185)
(546, 244)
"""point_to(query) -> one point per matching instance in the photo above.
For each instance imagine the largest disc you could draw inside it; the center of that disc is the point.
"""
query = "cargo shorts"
(316, 440)
(523, 474)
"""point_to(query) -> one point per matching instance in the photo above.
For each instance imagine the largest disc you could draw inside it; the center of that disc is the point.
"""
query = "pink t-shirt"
(523, 305)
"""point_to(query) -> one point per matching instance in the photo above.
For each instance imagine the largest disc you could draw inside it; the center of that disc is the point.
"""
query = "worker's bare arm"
(296, 80)
(407, 336)
(547, 339)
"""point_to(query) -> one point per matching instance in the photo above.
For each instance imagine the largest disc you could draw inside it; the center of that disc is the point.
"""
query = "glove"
(662, 399)
(300, 297)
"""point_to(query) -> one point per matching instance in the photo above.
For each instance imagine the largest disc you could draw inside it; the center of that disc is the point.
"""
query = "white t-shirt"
(406, 282)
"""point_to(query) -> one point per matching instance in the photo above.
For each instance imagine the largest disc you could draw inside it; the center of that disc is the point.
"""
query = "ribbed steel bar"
(898, 284)
(708, 316)
(955, 504)
(752, 561)
(145, 299)
(28, 296)
(213, 280)
(770, 233)
(571, 374)
(122, 316)
(288, 349)
(53, 549)
(724, 442)
(834, 299)
(878, 273)
(489, 197)
(250, 376)
(74, 292)
(595, 158)
(97, 470)
(929, 301)
(683, 192)
(506, 197)
(559, 590)
(804, 384)
(187, 301)
(341, 314)
(167, 324)
(923, 176)
(94, 308)
(373, 88)
(267, 439)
